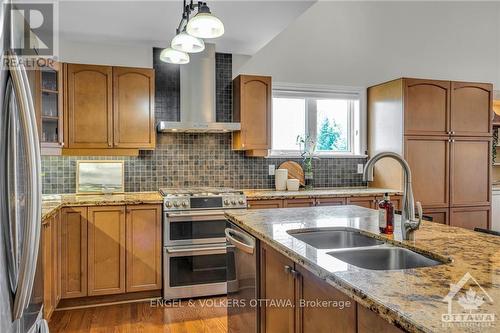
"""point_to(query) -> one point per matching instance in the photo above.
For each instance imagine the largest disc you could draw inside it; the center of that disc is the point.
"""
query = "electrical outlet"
(272, 169)
(360, 168)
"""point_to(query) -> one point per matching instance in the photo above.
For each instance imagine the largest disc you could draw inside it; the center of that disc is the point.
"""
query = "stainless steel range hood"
(198, 97)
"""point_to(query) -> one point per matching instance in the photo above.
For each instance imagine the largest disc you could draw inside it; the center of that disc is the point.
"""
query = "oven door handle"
(248, 246)
(195, 216)
(199, 213)
(198, 249)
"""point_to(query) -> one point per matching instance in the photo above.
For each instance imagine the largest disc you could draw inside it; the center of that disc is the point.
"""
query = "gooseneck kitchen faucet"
(409, 223)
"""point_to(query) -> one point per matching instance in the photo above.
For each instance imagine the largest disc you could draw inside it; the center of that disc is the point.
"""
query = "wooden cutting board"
(295, 171)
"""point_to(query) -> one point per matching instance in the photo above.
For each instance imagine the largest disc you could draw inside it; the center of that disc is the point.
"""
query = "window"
(330, 119)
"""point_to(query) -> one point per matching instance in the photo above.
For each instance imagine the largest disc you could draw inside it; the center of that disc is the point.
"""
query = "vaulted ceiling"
(249, 25)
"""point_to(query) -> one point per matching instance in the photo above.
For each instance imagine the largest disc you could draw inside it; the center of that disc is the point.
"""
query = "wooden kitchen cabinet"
(106, 250)
(322, 319)
(438, 215)
(427, 107)
(48, 102)
(471, 109)
(109, 110)
(367, 202)
(144, 247)
(443, 129)
(330, 201)
(298, 288)
(299, 203)
(430, 176)
(50, 266)
(262, 204)
(109, 250)
(470, 172)
(252, 102)
(273, 273)
(369, 322)
(74, 252)
(133, 108)
(89, 116)
(470, 217)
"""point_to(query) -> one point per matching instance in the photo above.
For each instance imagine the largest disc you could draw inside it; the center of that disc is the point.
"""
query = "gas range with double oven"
(195, 259)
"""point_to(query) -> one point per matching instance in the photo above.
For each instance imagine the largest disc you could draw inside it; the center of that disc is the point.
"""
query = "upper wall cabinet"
(109, 108)
(471, 112)
(46, 86)
(252, 101)
(447, 108)
(427, 107)
(133, 109)
(89, 111)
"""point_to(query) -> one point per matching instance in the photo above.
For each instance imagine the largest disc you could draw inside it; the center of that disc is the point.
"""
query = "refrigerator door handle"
(30, 242)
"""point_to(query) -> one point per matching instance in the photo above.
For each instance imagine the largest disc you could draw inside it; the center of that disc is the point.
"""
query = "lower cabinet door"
(144, 248)
(277, 285)
(470, 217)
(314, 317)
(48, 287)
(74, 252)
(106, 250)
(369, 322)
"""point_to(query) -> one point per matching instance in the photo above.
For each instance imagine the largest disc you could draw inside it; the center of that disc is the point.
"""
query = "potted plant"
(307, 147)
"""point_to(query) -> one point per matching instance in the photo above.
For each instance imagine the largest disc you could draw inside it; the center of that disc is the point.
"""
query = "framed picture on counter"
(100, 177)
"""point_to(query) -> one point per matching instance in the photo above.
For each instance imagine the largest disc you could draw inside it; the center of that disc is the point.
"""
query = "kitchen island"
(413, 300)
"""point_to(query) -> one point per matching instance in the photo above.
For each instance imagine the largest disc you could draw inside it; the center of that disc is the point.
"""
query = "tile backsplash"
(184, 159)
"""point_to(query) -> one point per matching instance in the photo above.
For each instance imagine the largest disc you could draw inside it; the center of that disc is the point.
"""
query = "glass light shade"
(205, 25)
(173, 56)
(186, 43)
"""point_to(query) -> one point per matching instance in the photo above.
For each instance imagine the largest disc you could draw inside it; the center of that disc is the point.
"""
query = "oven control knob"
(226, 202)
(176, 204)
(168, 204)
(241, 201)
(184, 204)
(233, 202)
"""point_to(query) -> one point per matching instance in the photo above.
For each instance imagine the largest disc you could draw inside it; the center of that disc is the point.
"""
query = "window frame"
(311, 93)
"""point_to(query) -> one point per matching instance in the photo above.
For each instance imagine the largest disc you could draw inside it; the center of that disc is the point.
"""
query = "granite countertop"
(262, 194)
(51, 203)
(412, 299)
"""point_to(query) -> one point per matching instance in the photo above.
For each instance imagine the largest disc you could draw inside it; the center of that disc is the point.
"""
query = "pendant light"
(204, 24)
(174, 56)
(186, 43)
(190, 32)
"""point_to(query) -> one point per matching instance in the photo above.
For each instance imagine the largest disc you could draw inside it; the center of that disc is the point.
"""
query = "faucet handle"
(419, 210)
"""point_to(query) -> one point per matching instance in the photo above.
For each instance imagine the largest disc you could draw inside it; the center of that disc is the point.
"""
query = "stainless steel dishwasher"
(243, 292)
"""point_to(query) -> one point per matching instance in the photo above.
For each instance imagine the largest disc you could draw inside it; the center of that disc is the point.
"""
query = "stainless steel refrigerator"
(21, 276)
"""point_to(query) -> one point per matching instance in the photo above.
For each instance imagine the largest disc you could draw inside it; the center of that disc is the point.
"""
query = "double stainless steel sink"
(358, 249)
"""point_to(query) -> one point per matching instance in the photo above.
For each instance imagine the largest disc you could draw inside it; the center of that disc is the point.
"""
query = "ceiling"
(249, 25)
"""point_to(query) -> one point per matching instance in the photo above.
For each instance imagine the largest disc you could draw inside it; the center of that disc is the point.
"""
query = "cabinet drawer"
(261, 204)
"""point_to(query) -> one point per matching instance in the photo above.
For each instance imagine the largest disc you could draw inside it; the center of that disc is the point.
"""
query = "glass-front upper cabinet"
(49, 104)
